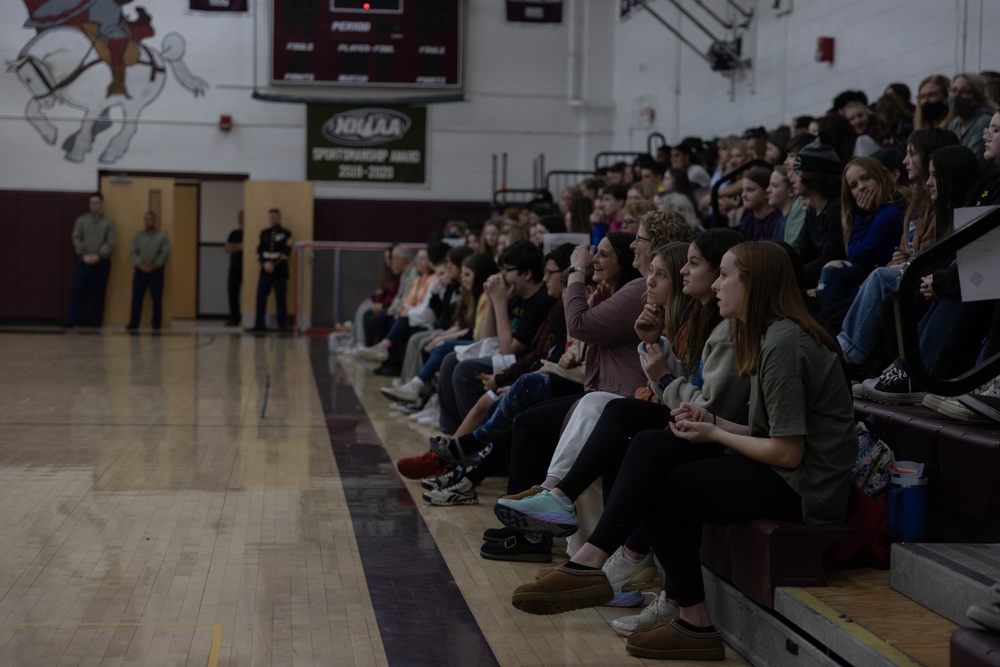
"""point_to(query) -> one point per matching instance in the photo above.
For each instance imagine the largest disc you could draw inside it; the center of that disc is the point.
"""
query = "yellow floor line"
(213, 654)
(845, 624)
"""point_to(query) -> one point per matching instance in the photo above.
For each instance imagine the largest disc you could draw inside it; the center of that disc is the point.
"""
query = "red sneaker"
(419, 467)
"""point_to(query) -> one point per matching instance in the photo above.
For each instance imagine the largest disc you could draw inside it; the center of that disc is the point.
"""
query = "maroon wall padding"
(38, 273)
(390, 221)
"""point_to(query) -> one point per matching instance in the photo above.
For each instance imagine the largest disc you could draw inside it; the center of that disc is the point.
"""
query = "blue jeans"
(943, 330)
(863, 329)
(398, 334)
(433, 363)
(529, 389)
(839, 284)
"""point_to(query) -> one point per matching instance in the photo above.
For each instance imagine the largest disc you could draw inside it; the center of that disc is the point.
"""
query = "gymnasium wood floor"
(219, 499)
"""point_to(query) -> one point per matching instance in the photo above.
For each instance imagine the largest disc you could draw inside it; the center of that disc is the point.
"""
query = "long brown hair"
(955, 172)
(673, 255)
(702, 319)
(923, 143)
(883, 182)
(772, 294)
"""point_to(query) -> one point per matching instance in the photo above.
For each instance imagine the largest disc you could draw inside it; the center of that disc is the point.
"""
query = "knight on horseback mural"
(64, 64)
(115, 40)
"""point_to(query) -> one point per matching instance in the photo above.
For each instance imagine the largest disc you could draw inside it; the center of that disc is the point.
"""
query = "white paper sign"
(979, 262)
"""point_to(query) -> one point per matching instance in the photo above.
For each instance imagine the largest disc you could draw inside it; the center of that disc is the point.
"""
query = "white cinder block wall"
(878, 42)
(567, 91)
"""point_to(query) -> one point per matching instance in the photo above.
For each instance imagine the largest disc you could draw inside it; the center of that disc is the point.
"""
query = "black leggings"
(671, 487)
(605, 449)
(535, 436)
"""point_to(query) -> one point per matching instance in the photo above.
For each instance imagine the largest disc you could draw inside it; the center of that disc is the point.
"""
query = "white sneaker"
(462, 492)
(374, 353)
(628, 580)
(658, 612)
(407, 393)
(432, 404)
(431, 418)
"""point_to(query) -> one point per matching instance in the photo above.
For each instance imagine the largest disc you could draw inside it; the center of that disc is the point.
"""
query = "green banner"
(374, 144)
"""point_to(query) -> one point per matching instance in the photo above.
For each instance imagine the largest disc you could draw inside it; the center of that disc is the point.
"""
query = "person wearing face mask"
(967, 100)
(932, 103)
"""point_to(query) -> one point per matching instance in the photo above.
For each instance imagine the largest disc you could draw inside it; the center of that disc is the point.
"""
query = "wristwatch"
(665, 380)
(573, 269)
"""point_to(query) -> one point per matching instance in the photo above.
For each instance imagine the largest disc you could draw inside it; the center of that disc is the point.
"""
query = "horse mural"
(65, 64)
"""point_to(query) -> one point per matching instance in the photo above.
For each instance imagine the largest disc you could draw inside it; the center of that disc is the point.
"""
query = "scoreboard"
(368, 43)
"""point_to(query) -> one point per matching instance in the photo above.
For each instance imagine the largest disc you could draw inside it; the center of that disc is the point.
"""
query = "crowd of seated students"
(695, 359)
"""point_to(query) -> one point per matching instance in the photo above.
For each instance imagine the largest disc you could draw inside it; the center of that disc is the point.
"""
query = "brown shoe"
(672, 642)
(548, 569)
(533, 491)
(563, 590)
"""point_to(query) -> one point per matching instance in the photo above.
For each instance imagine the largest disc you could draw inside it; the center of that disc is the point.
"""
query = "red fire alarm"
(225, 122)
(824, 50)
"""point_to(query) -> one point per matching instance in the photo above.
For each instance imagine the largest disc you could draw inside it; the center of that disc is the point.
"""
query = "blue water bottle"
(907, 508)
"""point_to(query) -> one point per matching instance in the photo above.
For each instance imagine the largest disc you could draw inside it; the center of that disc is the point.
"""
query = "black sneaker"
(893, 387)
(521, 547)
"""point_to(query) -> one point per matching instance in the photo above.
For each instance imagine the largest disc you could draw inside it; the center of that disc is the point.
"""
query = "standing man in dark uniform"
(273, 252)
(94, 237)
(234, 248)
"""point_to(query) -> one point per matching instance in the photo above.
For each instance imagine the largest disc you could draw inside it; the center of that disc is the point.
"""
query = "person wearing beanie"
(818, 175)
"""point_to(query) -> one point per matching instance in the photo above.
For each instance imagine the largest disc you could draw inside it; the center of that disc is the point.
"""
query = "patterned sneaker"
(419, 467)
(629, 580)
(461, 493)
(543, 513)
(893, 387)
(659, 611)
(452, 475)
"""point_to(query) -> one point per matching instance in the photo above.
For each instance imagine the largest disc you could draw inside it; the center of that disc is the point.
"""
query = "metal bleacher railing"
(907, 316)
(557, 180)
(331, 279)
